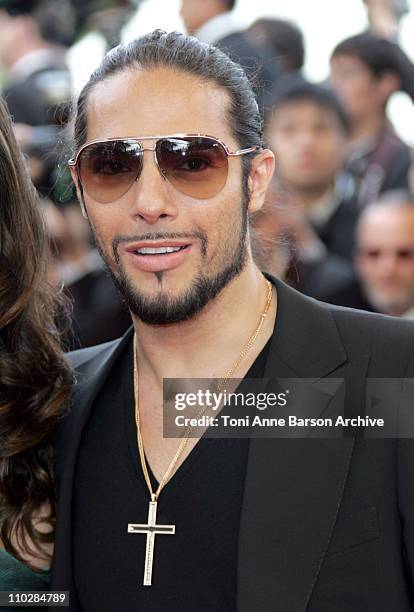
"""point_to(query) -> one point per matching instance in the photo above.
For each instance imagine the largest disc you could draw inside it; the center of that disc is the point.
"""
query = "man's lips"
(153, 244)
(153, 256)
(307, 160)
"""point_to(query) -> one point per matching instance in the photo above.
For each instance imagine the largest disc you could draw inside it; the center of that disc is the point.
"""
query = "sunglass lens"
(196, 166)
(107, 170)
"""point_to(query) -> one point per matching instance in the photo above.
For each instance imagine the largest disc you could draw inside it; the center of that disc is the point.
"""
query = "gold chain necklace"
(151, 528)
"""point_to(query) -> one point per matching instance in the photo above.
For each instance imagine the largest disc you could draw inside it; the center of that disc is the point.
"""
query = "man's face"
(195, 13)
(309, 144)
(175, 286)
(356, 86)
(385, 257)
(9, 35)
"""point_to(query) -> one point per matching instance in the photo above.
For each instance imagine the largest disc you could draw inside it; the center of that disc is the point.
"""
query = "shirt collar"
(32, 62)
(409, 314)
(324, 208)
(218, 27)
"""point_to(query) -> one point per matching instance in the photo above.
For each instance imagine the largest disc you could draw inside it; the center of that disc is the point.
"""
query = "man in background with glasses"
(169, 164)
(384, 254)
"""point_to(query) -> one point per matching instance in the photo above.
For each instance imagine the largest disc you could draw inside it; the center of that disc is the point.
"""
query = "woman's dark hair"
(185, 54)
(380, 56)
(34, 376)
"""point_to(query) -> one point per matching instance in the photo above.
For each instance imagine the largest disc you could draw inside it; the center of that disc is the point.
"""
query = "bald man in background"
(384, 255)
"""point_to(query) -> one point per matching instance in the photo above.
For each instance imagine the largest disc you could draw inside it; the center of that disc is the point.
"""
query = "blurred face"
(8, 32)
(195, 13)
(357, 87)
(309, 145)
(385, 257)
(200, 244)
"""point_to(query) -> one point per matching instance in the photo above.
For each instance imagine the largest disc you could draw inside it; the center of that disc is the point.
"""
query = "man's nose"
(389, 262)
(151, 195)
(306, 139)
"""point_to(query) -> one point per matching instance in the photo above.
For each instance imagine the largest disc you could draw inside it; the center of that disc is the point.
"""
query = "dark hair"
(55, 19)
(18, 7)
(285, 38)
(308, 92)
(230, 4)
(379, 56)
(34, 376)
(186, 54)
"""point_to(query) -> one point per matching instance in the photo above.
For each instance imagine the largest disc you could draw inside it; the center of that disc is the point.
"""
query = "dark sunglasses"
(402, 254)
(195, 164)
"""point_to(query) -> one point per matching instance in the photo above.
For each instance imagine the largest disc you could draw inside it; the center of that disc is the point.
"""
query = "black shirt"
(195, 569)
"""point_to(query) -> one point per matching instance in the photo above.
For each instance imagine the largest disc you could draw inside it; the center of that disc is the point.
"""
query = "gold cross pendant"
(151, 529)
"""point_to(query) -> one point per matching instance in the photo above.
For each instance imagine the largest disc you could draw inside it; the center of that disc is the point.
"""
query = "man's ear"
(261, 172)
(388, 83)
(79, 191)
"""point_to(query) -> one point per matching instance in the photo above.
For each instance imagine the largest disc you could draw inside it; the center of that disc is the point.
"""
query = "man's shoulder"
(299, 308)
(381, 336)
(368, 322)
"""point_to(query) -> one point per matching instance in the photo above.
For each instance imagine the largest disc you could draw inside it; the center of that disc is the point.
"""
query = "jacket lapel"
(67, 440)
(294, 487)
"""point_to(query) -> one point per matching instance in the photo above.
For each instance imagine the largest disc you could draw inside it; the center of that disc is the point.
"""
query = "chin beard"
(163, 309)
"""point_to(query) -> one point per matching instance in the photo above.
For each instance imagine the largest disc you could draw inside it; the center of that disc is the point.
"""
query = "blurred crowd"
(339, 218)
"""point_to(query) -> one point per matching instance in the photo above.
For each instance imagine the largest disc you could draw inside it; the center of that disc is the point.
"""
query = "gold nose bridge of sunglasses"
(160, 170)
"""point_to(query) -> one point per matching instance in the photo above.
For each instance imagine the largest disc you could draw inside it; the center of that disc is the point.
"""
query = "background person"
(385, 16)
(307, 130)
(312, 200)
(365, 72)
(98, 313)
(37, 85)
(213, 22)
(287, 42)
(384, 254)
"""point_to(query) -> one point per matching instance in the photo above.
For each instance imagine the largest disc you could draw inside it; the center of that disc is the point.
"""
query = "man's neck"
(307, 198)
(209, 343)
(367, 130)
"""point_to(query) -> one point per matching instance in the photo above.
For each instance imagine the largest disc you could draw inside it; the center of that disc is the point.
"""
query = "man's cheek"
(103, 240)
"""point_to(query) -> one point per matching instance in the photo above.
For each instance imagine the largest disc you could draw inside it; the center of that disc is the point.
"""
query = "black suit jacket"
(327, 525)
(329, 279)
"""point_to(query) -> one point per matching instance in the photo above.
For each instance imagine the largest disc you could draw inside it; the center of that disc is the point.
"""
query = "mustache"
(148, 236)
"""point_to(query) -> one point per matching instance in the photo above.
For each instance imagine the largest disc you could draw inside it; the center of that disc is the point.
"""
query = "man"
(98, 313)
(384, 254)
(385, 16)
(213, 22)
(307, 130)
(37, 82)
(37, 79)
(238, 523)
(365, 72)
(287, 42)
